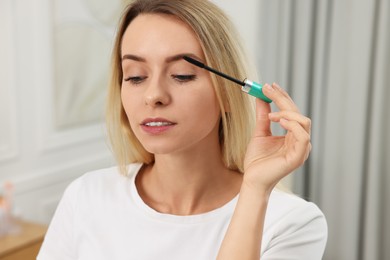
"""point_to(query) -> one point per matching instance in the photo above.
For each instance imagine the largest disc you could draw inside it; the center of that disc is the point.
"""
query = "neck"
(187, 184)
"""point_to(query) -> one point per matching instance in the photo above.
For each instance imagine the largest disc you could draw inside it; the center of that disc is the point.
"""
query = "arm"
(243, 238)
(268, 159)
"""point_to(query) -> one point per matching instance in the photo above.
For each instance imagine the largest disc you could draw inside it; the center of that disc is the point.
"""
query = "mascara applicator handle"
(254, 89)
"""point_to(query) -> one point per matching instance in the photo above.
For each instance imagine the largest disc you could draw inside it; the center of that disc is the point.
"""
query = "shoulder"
(293, 224)
(282, 203)
(107, 175)
(101, 180)
(292, 210)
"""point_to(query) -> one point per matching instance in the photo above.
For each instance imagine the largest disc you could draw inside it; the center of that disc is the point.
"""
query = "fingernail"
(276, 86)
(272, 115)
(269, 87)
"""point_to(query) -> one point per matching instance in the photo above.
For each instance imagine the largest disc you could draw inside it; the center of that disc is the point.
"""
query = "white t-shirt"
(102, 216)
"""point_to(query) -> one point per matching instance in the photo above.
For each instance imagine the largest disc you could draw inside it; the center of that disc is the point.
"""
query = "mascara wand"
(250, 87)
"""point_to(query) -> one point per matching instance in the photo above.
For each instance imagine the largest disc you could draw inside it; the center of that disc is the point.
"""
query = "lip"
(157, 125)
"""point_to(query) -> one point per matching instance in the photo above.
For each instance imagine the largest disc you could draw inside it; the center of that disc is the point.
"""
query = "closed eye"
(183, 78)
(135, 79)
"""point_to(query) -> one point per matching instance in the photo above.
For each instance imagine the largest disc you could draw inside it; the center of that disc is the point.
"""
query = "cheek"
(128, 104)
(209, 103)
(124, 100)
(205, 109)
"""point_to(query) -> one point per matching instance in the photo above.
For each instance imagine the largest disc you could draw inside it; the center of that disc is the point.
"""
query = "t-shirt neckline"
(225, 210)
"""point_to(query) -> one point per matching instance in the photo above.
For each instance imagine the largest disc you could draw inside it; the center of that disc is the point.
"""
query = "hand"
(270, 158)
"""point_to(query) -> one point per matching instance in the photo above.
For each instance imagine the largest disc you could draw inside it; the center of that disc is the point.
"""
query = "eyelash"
(135, 80)
(184, 78)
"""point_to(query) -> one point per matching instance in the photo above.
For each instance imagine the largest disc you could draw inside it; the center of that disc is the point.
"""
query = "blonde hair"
(222, 50)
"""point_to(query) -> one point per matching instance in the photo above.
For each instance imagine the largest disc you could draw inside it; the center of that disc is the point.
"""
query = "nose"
(157, 94)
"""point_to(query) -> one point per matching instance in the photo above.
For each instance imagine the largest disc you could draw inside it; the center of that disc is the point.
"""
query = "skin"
(188, 176)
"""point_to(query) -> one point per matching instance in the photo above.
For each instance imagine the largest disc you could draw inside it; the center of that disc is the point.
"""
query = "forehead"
(152, 34)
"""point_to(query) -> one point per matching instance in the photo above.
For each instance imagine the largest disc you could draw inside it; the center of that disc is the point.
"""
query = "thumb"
(263, 124)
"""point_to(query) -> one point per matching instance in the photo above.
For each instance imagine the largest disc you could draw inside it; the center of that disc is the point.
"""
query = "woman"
(196, 182)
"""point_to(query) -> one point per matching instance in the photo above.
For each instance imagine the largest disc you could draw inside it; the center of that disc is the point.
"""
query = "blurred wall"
(53, 77)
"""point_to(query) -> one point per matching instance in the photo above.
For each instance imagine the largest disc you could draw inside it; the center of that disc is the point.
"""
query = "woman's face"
(170, 103)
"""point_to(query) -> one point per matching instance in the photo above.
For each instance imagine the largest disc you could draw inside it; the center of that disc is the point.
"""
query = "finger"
(300, 148)
(280, 97)
(263, 123)
(277, 86)
(304, 121)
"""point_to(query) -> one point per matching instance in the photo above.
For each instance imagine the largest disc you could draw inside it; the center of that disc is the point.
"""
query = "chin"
(161, 148)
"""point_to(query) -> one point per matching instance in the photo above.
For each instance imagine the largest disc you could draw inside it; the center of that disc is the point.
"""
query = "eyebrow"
(167, 60)
(133, 57)
(180, 57)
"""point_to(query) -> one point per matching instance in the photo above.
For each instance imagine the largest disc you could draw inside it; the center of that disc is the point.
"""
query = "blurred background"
(333, 57)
